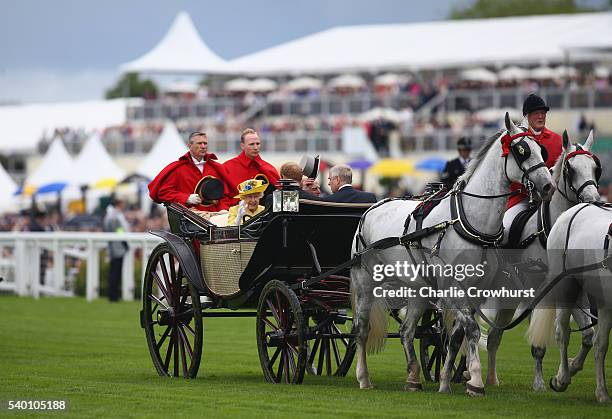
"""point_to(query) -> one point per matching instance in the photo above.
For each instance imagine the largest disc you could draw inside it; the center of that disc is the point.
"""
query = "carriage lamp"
(286, 198)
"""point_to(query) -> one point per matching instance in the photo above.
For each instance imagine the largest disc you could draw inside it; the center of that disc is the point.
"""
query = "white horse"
(576, 240)
(482, 192)
(574, 185)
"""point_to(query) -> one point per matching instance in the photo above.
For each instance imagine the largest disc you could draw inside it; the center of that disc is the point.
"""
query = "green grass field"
(95, 356)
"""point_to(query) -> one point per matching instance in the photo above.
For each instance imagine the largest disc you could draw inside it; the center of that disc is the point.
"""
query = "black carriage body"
(289, 247)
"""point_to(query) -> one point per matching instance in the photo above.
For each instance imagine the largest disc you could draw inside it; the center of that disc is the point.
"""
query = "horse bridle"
(568, 174)
(521, 153)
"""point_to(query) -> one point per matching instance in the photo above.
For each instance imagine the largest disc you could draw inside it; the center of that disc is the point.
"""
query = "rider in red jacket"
(177, 181)
(534, 110)
(248, 164)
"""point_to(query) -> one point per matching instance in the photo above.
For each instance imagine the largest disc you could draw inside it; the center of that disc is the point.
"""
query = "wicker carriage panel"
(222, 265)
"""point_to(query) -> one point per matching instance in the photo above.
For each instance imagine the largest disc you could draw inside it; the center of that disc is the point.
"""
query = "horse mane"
(471, 167)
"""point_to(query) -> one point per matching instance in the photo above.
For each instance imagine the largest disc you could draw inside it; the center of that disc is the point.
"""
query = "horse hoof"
(539, 386)
(603, 397)
(413, 386)
(474, 391)
(494, 382)
(552, 383)
(366, 387)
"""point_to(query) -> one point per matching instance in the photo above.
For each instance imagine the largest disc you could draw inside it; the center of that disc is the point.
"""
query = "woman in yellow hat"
(249, 192)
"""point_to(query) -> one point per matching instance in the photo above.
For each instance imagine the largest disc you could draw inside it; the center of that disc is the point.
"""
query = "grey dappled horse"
(486, 183)
(570, 191)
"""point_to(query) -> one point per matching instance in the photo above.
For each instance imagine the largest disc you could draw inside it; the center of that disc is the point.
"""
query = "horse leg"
(562, 380)
(455, 339)
(407, 332)
(474, 386)
(493, 342)
(361, 324)
(602, 337)
(576, 364)
(538, 356)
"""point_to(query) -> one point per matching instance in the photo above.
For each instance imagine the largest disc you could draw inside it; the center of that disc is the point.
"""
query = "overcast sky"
(70, 49)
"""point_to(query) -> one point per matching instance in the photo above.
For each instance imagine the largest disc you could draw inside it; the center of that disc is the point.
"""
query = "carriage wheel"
(327, 354)
(281, 334)
(434, 344)
(171, 316)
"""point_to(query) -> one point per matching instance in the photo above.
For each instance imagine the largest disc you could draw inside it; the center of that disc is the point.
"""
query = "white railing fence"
(23, 254)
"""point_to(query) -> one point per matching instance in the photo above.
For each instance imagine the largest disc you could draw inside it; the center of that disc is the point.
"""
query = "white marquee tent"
(56, 167)
(431, 45)
(7, 189)
(168, 147)
(94, 164)
(180, 51)
(24, 125)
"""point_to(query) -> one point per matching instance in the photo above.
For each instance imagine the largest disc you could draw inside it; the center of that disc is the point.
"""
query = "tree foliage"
(481, 9)
(130, 85)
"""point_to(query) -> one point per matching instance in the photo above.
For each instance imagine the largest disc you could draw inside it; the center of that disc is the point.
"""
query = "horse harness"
(568, 174)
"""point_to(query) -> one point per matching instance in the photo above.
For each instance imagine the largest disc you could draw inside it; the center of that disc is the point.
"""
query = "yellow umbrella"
(392, 168)
(105, 183)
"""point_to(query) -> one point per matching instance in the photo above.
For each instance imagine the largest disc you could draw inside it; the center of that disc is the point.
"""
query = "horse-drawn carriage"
(287, 269)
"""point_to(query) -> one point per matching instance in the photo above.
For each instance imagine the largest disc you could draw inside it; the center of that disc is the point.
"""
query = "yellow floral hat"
(250, 186)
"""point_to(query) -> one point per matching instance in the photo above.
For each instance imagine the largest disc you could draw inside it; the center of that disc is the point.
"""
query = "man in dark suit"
(340, 179)
(456, 167)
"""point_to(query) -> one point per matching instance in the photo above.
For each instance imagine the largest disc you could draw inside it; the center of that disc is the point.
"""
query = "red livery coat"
(552, 142)
(178, 180)
(242, 168)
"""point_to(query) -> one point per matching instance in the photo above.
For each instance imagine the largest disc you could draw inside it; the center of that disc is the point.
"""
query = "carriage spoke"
(313, 353)
(328, 359)
(343, 340)
(161, 286)
(164, 269)
(269, 323)
(183, 359)
(186, 341)
(281, 314)
(292, 361)
(176, 351)
(163, 338)
(279, 374)
(158, 301)
(432, 358)
(286, 356)
(169, 352)
(273, 359)
(189, 329)
(336, 352)
(321, 357)
(274, 312)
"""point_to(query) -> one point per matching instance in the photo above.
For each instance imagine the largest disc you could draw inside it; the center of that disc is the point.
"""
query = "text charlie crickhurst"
(459, 272)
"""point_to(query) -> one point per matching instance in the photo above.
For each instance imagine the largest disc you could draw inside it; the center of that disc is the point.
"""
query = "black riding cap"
(464, 143)
(533, 103)
(209, 188)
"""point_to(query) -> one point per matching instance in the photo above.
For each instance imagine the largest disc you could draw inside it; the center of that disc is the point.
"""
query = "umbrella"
(563, 71)
(601, 72)
(434, 164)
(304, 83)
(543, 73)
(479, 75)
(381, 113)
(105, 183)
(347, 80)
(360, 164)
(238, 85)
(263, 85)
(392, 168)
(513, 73)
(51, 187)
(389, 79)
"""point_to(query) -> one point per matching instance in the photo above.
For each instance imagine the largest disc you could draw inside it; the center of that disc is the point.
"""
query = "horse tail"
(378, 327)
(378, 324)
(541, 332)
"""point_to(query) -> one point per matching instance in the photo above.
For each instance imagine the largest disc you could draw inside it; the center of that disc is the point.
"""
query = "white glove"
(194, 199)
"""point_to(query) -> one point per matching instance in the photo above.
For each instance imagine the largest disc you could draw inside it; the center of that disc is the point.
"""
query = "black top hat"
(464, 143)
(210, 190)
(310, 166)
(533, 103)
